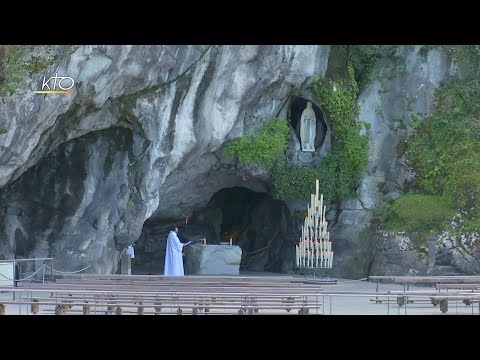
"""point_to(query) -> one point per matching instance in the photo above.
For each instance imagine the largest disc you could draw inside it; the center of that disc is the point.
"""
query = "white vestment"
(173, 256)
(131, 251)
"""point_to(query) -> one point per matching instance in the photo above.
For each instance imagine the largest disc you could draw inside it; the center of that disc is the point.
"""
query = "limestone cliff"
(140, 143)
(139, 137)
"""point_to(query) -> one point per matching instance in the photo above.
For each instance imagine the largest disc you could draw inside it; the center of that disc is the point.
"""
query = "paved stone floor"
(346, 297)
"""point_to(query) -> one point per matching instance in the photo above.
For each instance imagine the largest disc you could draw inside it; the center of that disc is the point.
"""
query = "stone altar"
(212, 259)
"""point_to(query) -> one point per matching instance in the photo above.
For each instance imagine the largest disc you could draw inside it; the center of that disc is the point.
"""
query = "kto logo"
(59, 85)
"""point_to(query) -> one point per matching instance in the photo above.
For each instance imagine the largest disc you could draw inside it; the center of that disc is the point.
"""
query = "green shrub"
(340, 169)
(12, 68)
(16, 63)
(444, 150)
(363, 57)
(263, 148)
(417, 213)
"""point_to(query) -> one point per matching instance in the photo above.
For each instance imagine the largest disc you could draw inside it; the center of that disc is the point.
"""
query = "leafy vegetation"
(263, 148)
(417, 213)
(445, 153)
(16, 65)
(361, 57)
(12, 68)
(347, 159)
(467, 57)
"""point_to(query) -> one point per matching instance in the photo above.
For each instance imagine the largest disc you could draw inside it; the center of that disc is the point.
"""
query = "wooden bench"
(459, 286)
(428, 279)
(466, 298)
(436, 298)
(201, 298)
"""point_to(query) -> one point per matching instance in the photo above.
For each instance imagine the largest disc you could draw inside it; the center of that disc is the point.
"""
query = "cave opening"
(260, 225)
(295, 113)
(257, 223)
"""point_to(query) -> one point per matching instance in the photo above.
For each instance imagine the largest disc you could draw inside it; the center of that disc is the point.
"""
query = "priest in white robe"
(173, 254)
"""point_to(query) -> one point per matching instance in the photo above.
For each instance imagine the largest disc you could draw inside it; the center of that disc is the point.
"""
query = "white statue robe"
(308, 129)
(173, 256)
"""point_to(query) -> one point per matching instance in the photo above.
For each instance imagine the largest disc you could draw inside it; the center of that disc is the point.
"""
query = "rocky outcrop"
(402, 90)
(140, 143)
(141, 136)
(408, 254)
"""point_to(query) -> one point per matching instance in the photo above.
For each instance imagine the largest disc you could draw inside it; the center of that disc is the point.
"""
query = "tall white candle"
(321, 203)
(296, 255)
(301, 253)
(302, 259)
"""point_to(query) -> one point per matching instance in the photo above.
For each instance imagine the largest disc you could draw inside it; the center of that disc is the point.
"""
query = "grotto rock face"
(140, 143)
(263, 228)
(72, 206)
(402, 89)
(140, 137)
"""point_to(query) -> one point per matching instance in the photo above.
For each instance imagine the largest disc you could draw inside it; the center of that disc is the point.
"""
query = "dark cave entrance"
(260, 225)
(235, 204)
(295, 113)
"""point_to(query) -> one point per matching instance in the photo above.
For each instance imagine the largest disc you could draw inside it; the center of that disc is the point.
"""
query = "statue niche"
(308, 123)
